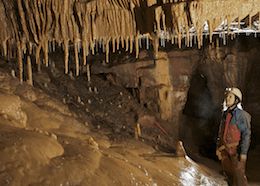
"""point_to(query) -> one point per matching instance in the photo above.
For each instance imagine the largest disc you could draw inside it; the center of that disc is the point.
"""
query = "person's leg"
(227, 167)
(239, 171)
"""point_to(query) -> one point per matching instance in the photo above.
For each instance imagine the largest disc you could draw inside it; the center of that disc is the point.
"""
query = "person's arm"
(245, 129)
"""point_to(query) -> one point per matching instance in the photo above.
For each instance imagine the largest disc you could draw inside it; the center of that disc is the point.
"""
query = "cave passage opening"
(201, 118)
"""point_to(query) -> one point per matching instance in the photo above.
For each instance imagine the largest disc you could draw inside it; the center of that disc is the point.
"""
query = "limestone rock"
(10, 105)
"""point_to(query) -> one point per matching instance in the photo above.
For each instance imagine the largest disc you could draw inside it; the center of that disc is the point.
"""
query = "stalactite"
(107, 50)
(114, 44)
(76, 44)
(179, 40)
(117, 43)
(53, 45)
(23, 22)
(37, 56)
(88, 73)
(198, 40)
(158, 11)
(23, 43)
(4, 48)
(66, 57)
(71, 32)
(137, 44)
(84, 53)
(76, 56)
(30, 48)
(258, 20)
(36, 16)
(249, 21)
(238, 22)
(49, 16)
(188, 37)
(29, 69)
(172, 38)
(20, 64)
(31, 21)
(127, 44)
(57, 29)
(163, 22)
(123, 31)
(93, 47)
(93, 29)
(122, 42)
(19, 52)
(228, 30)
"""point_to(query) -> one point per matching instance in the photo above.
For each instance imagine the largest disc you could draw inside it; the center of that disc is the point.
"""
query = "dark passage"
(202, 117)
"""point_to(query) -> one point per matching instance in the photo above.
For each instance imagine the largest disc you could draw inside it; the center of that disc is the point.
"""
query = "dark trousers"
(233, 169)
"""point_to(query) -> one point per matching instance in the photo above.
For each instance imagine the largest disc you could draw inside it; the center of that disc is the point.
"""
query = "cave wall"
(162, 82)
(226, 66)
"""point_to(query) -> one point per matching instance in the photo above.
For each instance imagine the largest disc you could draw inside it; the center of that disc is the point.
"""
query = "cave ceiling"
(32, 26)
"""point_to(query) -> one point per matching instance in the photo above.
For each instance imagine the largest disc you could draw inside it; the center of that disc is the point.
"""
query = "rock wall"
(161, 83)
(225, 66)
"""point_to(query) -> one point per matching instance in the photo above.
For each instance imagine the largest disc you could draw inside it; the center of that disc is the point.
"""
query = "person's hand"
(243, 157)
(218, 153)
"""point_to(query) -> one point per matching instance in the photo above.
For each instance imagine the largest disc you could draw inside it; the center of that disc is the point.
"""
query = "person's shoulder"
(243, 113)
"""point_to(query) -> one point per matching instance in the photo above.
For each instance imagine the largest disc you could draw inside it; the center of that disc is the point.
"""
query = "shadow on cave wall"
(202, 118)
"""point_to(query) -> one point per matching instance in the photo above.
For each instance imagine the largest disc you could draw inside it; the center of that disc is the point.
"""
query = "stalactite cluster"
(182, 15)
(29, 27)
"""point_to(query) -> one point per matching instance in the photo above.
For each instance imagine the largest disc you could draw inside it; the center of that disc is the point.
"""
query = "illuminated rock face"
(11, 109)
(162, 83)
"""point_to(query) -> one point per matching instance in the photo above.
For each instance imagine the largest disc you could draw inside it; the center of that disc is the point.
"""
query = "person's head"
(233, 97)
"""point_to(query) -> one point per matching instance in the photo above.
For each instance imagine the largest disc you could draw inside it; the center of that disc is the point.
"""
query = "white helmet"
(235, 91)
